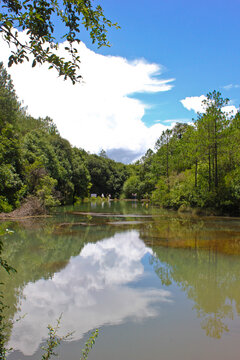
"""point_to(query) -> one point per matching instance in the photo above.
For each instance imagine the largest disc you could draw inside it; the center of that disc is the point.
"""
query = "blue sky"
(164, 53)
(196, 42)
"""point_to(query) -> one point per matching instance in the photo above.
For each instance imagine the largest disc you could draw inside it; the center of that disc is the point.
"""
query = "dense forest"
(36, 160)
(193, 165)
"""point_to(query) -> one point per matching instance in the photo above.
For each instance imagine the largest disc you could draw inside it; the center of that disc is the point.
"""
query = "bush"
(45, 191)
(4, 205)
(130, 187)
(160, 195)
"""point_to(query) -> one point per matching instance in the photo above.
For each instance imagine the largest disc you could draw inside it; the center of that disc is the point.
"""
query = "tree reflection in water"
(208, 278)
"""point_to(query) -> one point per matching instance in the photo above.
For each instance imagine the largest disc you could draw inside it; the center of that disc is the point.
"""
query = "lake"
(157, 284)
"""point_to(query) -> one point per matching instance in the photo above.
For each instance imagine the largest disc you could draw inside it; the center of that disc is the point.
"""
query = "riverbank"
(31, 207)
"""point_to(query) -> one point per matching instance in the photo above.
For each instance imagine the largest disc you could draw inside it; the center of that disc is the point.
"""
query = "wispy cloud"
(174, 121)
(231, 86)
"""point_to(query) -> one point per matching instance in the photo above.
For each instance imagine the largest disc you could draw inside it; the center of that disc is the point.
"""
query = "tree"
(164, 150)
(103, 154)
(107, 176)
(210, 127)
(10, 158)
(9, 105)
(80, 175)
(177, 145)
(130, 187)
(38, 18)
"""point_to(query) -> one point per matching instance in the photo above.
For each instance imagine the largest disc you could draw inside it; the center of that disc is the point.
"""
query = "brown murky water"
(156, 284)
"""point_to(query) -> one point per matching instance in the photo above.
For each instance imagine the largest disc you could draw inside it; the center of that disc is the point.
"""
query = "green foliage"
(9, 104)
(45, 190)
(130, 187)
(107, 176)
(89, 344)
(10, 152)
(3, 263)
(3, 324)
(10, 183)
(4, 205)
(194, 165)
(3, 350)
(53, 340)
(232, 181)
(39, 19)
(160, 195)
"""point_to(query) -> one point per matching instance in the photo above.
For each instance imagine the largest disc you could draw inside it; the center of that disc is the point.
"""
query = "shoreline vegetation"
(32, 207)
(195, 168)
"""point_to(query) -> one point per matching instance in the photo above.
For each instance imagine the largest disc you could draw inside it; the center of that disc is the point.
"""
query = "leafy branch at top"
(39, 18)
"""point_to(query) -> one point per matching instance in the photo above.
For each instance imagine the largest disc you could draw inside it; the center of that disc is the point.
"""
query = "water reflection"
(202, 257)
(210, 279)
(217, 234)
(91, 269)
(92, 290)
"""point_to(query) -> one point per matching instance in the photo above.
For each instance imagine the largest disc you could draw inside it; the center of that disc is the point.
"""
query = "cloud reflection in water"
(93, 290)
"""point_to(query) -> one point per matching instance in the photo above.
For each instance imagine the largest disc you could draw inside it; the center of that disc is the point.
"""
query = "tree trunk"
(209, 169)
(167, 170)
(216, 154)
(196, 172)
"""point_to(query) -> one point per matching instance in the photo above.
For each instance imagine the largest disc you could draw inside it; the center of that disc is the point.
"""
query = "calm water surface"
(156, 284)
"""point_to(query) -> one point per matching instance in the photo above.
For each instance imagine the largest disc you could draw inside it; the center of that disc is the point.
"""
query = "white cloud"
(195, 103)
(97, 113)
(230, 109)
(231, 86)
(93, 290)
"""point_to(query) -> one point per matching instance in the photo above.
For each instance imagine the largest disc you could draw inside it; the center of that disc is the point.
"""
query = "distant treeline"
(195, 165)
